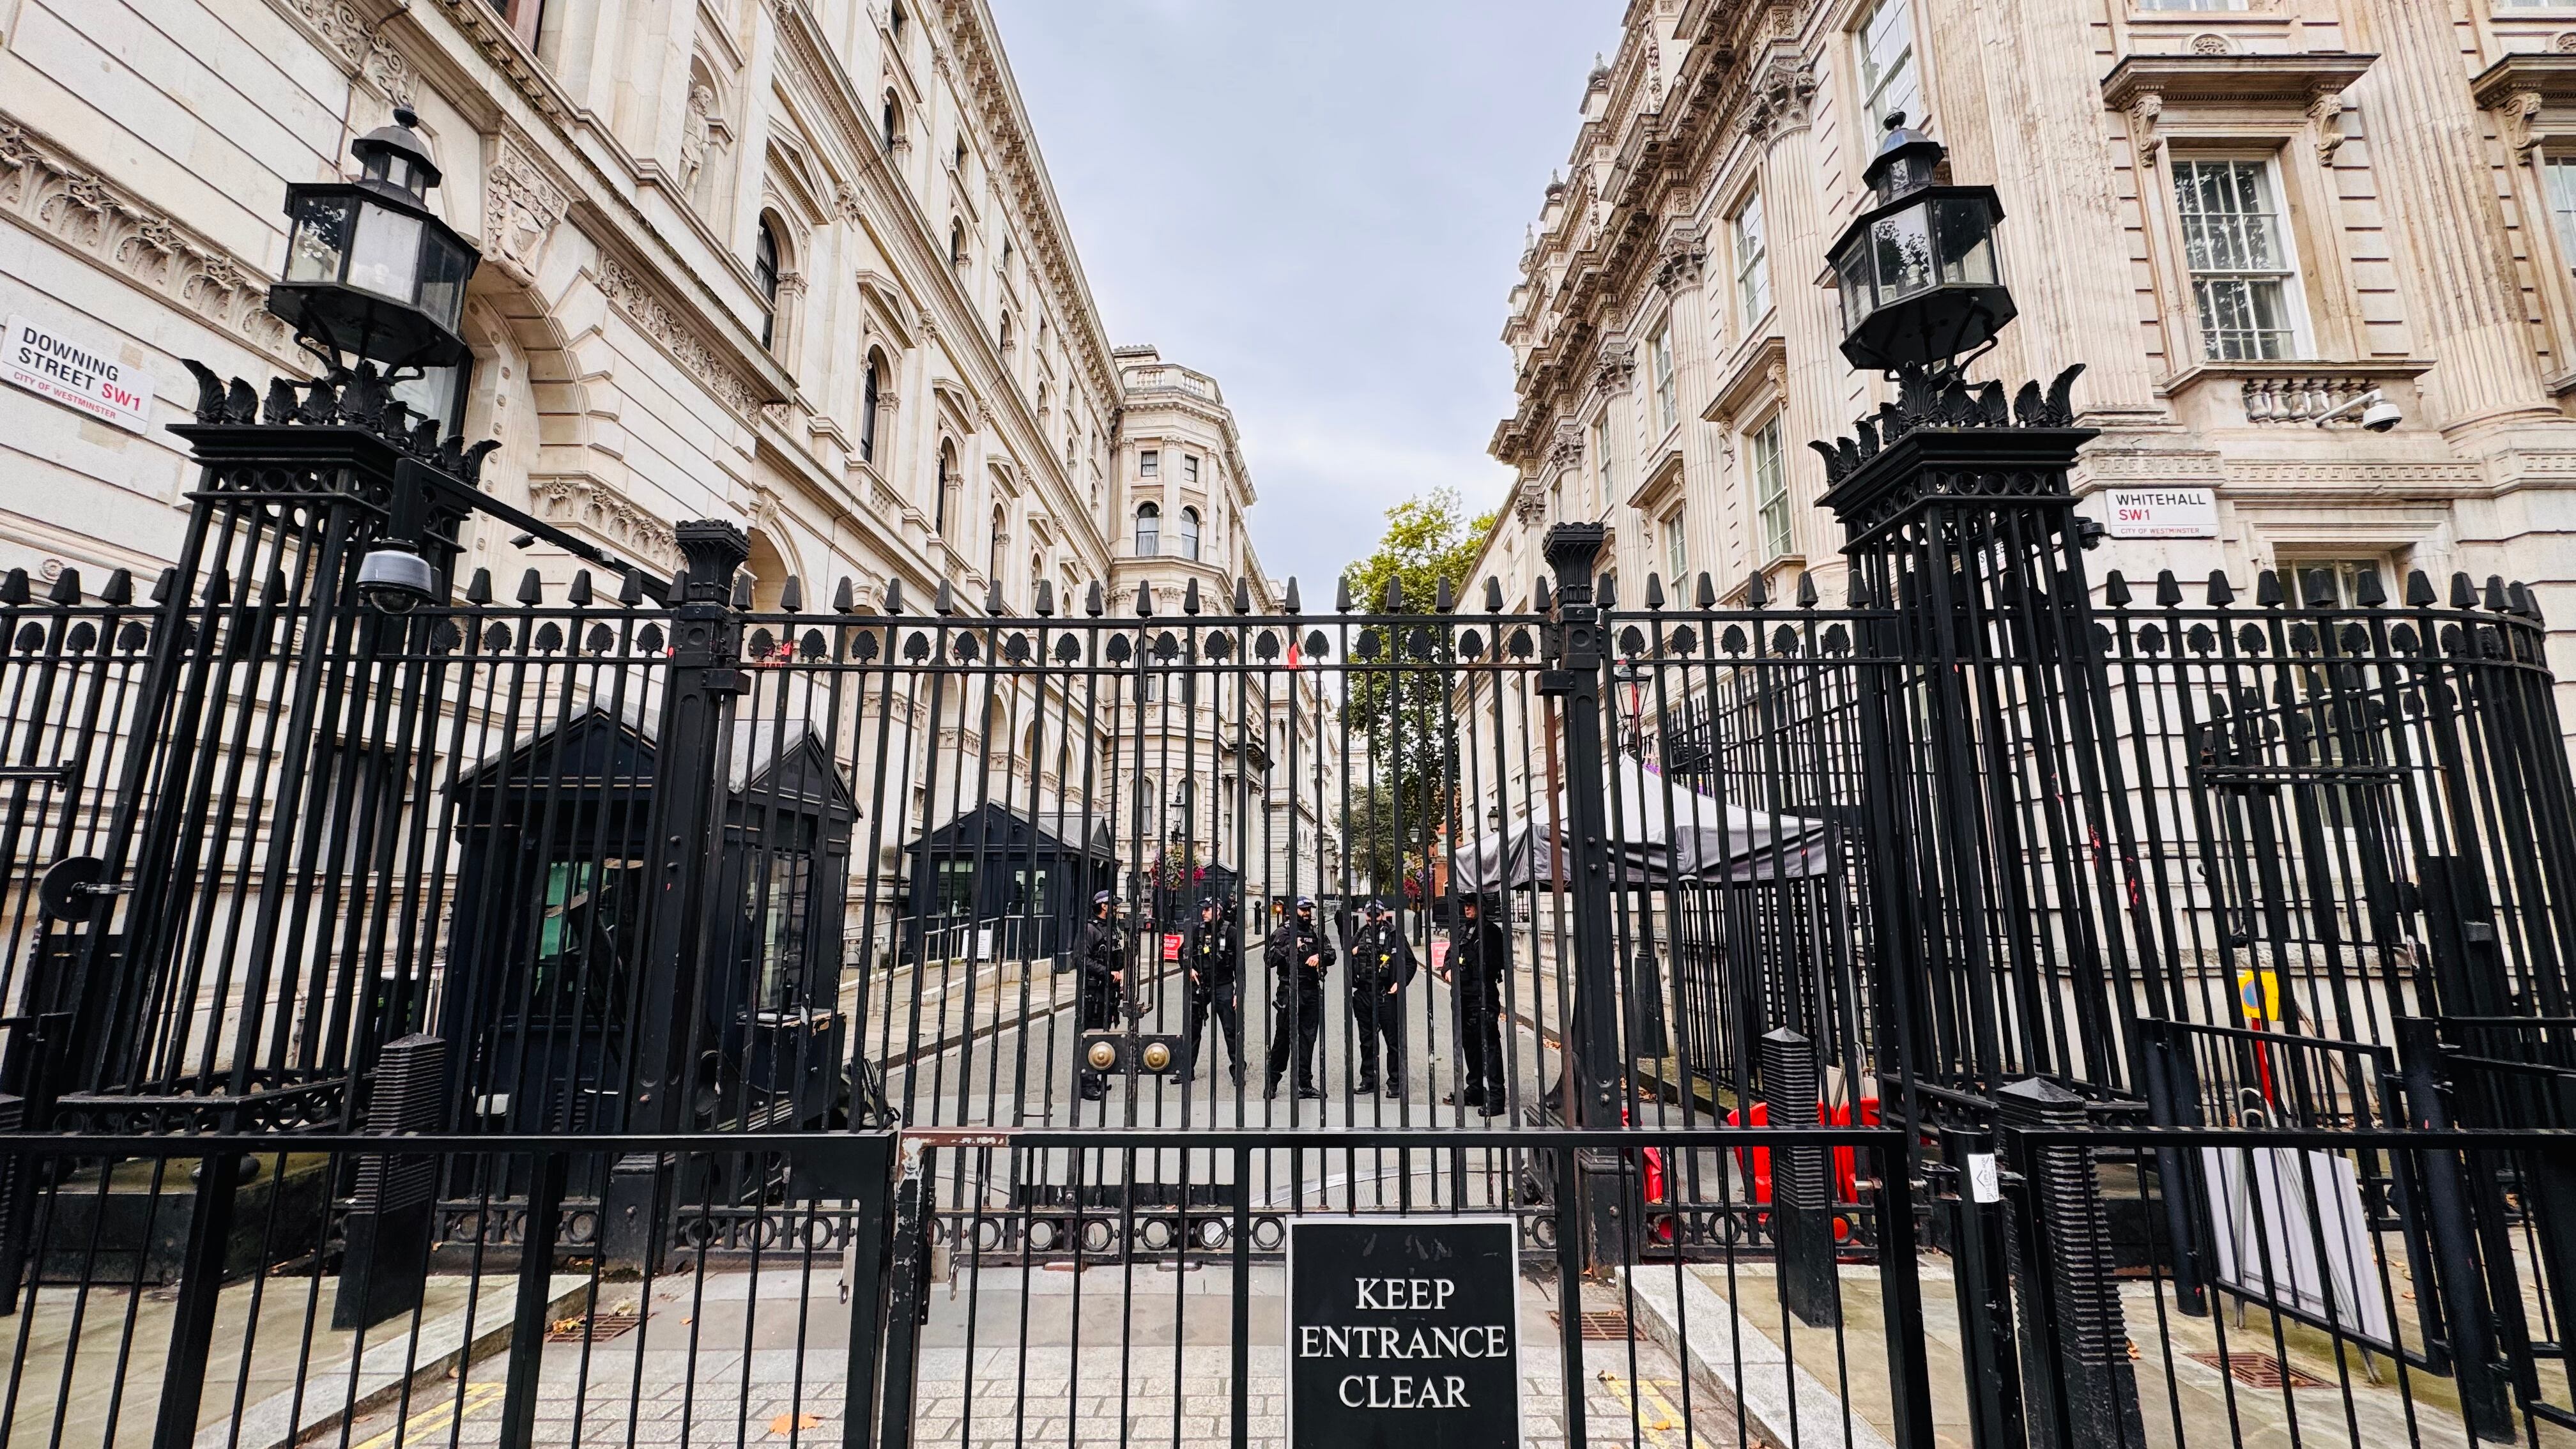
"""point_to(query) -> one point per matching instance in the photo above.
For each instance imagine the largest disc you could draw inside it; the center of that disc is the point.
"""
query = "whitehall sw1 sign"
(2161, 512)
(76, 374)
(1403, 1333)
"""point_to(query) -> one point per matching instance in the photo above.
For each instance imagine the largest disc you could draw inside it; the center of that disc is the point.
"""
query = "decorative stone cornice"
(45, 189)
(1684, 255)
(1616, 366)
(361, 47)
(2155, 89)
(635, 300)
(1565, 452)
(2533, 99)
(521, 205)
(585, 504)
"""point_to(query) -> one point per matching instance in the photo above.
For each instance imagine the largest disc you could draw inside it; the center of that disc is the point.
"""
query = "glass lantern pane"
(320, 237)
(385, 259)
(442, 279)
(1964, 230)
(1852, 279)
(1903, 244)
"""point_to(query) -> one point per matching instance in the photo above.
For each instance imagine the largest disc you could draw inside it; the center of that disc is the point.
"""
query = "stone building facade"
(2238, 214)
(1217, 760)
(795, 264)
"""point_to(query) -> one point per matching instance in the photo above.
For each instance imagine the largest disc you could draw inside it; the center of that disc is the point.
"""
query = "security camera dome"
(396, 580)
(2381, 415)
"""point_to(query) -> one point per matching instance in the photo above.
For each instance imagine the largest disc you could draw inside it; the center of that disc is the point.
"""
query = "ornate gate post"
(687, 926)
(1577, 656)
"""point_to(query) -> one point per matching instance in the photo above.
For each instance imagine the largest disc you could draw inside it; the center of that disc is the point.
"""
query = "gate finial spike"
(2267, 589)
(2168, 589)
(995, 606)
(2464, 594)
(742, 591)
(118, 591)
(1654, 590)
(2419, 589)
(1044, 603)
(2318, 589)
(1391, 600)
(1493, 595)
(2115, 589)
(1095, 600)
(1605, 592)
(791, 595)
(532, 589)
(2368, 591)
(1542, 598)
(891, 599)
(2221, 592)
(1190, 598)
(1705, 595)
(478, 589)
(630, 589)
(1442, 599)
(164, 584)
(1144, 601)
(1807, 595)
(2495, 600)
(1757, 590)
(845, 596)
(944, 603)
(579, 594)
(66, 589)
(1342, 594)
(1242, 594)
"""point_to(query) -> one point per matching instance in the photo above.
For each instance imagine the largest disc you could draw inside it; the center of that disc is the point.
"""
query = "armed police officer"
(1212, 952)
(1381, 965)
(1299, 954)
(1102, 954)
(1479, 955)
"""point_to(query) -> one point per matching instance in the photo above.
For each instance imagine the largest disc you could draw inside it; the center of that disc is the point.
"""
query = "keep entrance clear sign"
(1403, 1333)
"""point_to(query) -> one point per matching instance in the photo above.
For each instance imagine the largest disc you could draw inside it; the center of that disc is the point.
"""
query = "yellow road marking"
(437, 1419)
(1657, 1417)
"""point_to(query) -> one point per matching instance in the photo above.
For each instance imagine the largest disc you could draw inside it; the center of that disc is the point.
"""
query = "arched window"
(947, 484)
(993, 554)
(764, 276)
(957, 244)
(895, 19)
(1006, 332)
(869, 397)
(1190, 534)
(893, 119)
(1149, 530)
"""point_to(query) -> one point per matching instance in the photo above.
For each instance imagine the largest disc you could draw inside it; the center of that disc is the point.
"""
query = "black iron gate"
(594, 1009)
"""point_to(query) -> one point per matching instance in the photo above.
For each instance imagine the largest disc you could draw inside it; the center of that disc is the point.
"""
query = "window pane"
(386, 258)
(2238, 257)
(1752, 260)
(1771, 489)
(1887, 64)
(2560, 178)
(321, 234)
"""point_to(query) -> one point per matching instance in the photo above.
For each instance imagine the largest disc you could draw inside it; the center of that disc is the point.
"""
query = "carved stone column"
(2463, 305)
(1809, 321)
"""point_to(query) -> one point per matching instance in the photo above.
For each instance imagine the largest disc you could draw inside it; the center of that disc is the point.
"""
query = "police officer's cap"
(1102, 899)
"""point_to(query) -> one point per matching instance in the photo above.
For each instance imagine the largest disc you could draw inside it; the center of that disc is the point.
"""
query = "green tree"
(1398, 709)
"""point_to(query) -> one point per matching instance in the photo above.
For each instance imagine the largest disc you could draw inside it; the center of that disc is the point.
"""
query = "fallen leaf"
(788, 1423)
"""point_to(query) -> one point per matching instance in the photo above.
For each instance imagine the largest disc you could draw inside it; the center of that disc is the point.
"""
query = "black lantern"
(1920, 278)
(371, 272)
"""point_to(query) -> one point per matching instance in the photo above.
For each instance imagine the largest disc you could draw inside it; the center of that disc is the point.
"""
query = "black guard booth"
(995, 884)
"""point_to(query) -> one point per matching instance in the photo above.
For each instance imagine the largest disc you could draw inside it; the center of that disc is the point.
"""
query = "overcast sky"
(1321, 205)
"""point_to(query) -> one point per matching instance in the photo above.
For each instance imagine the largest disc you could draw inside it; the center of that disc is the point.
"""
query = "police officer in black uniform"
(1213, 954)
(1479, 954)
(1381, 964)
(1102, 954)
(1299, 953)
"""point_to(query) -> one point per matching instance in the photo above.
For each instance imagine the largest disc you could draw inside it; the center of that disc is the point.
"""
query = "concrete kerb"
(382, 1374)
(1737, 1365)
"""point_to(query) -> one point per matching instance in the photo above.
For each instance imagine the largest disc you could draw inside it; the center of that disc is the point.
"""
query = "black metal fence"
(1752, 962)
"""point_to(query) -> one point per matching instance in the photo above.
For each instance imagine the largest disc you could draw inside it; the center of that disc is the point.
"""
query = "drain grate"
(2260, 1371)
(596, 1327)
(1602, 1325)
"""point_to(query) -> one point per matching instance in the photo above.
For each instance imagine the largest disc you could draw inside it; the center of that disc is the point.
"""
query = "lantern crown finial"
(1918, 272)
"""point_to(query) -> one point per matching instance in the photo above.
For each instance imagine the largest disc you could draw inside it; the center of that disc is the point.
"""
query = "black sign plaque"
(1404, 1333)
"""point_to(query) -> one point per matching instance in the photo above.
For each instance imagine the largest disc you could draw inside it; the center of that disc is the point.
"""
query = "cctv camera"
(395, 579)
(2379, 415)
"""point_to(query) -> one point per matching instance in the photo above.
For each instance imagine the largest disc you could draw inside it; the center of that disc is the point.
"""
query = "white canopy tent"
(1661, 829)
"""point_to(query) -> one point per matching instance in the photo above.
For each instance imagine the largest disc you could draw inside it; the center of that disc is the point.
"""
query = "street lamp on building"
(1920, 279)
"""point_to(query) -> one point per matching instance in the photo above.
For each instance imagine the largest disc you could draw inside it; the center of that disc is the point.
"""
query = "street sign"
(2161, 512)
(1404, 1333)
(76, 374)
